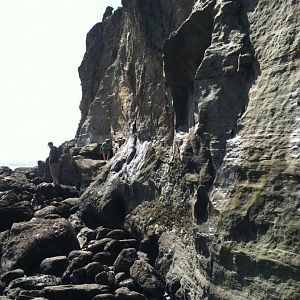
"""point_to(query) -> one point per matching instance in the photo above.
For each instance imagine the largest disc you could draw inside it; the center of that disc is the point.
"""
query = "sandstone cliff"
(207, 95)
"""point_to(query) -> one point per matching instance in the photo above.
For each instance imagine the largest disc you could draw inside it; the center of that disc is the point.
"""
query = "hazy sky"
(42, 45)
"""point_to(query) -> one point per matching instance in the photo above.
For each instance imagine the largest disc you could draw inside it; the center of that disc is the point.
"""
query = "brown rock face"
(207, 95)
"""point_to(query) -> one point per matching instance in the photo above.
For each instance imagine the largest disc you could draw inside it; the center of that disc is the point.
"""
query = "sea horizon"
(19, 164)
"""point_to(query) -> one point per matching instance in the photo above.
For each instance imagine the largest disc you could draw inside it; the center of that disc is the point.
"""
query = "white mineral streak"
(224, 183)
(295, 133)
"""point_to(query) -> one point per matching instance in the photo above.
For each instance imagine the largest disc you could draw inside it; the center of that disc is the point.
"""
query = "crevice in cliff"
(183, 52)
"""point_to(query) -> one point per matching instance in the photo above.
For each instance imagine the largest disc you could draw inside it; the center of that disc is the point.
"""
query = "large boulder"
(148, 278)
(74, 292)
(31, 242)
(125, 260)
(50, 192)
(13, 209)
(16, 182)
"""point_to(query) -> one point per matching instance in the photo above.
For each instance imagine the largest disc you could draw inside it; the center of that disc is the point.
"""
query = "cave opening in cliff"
(183, 53)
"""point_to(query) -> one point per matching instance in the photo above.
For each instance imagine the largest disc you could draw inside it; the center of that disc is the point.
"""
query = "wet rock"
(11, 275)
(126, 294)
(54, 265)
(125, 260)
(13, 210)
(74, 292)
(147, 278)
(34, 282)
(31, 242)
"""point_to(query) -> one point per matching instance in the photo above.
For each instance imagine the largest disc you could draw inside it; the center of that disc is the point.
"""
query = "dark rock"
(13, 210)
(17, 183)
(11, 275)
(98, 246)
(104, 297)
(91, 151)
(118, 234)
(102, 278)
(74, 292)
(31, 242)
(78, 276)
(50, 192)
(31, 294)
(147, 278)
(104, 258)
(125, 294)
(125, 260)
(92, 269)
(81, 253)
(34, 282)
(54, 265)
(5, 171)
(114, 247)
(130, 243)
(76, 222)
(101, 232)
(76, 263)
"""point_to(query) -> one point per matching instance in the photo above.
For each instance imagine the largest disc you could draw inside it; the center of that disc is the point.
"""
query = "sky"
(42, 45)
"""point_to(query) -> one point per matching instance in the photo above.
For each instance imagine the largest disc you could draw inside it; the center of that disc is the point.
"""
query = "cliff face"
(207, 95)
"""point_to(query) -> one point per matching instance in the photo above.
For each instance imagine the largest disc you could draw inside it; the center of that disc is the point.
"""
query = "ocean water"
(18, 164)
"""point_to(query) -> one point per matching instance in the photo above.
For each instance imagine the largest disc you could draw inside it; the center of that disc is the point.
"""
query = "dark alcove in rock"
(183, 53)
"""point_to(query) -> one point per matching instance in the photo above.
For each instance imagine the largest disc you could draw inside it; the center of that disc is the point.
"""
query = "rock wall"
(207, 95)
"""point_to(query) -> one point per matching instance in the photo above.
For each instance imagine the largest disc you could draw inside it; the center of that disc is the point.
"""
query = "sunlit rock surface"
(206, 94)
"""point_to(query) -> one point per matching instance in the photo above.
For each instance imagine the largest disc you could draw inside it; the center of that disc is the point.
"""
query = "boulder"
(16, 182)
(147, 278)
(125, 294)
(36, 282)
(54, 265)
(125, 260)
(31, 242)
(118, 234)
(13, 209)
(11, 275)
(104, 258)
(92, 269)
(74, 292)
(104, 297)
(50, 192)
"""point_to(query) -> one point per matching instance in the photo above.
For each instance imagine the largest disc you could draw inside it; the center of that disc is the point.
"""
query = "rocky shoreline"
(47, 252)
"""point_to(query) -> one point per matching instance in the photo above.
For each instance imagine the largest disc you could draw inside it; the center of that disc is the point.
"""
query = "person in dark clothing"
(106, 149)
(53, 163)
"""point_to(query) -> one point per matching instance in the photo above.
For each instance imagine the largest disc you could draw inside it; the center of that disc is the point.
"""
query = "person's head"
(50, 144)
(107, 141)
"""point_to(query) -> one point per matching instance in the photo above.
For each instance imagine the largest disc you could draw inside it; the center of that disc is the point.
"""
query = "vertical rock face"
(207, 95)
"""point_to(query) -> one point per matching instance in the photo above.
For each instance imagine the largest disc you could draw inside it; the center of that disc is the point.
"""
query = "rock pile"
(47, 252)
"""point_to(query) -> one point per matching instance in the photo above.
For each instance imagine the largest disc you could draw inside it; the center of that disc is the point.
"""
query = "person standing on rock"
(53, 163)
(106, 149)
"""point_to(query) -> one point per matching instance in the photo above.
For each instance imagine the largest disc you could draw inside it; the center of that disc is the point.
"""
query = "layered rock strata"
(207, 95)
